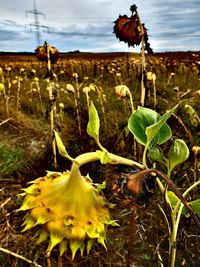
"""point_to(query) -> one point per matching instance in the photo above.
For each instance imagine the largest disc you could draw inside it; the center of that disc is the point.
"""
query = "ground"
(26, 149)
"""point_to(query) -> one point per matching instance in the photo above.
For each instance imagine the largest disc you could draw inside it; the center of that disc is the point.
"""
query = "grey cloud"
(8, 34)
(90, 30)
(176, 22)
(87, 24)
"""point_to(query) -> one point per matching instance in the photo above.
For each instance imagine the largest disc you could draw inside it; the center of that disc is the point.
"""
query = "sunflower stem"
(114, 159)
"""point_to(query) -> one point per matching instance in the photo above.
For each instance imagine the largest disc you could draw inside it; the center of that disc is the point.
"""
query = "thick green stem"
(144, 157)
(172, 243)
(176, 220)
(93, 156)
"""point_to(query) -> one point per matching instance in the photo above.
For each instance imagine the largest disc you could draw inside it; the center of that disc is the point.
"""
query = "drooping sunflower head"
(67, 210)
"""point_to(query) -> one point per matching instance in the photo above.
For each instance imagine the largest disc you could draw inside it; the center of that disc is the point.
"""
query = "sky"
(87, 26)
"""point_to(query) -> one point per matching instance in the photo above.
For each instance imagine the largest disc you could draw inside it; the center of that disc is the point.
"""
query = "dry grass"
(28, 131)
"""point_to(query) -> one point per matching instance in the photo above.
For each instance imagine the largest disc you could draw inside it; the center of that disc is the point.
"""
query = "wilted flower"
(14, 81)
(61, 105)
(151, 76)
(194, 118)
(8, 69)
(197, 92)
(75, 75)
(196, 150)
(33, 71)
(70, 88)
(42, 54)
(122, 90)
(22, 70)
(104, 97)
(176, 89)
(67, 209)
(86, 89)
(92, 87)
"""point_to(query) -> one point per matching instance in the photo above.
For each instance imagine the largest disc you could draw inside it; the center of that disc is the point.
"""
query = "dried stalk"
(19, 256)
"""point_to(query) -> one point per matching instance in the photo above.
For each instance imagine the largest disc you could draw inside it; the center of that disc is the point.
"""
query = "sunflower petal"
(63, 246)
(74, 246)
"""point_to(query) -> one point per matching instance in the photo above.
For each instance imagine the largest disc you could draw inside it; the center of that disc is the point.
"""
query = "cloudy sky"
(86, 25)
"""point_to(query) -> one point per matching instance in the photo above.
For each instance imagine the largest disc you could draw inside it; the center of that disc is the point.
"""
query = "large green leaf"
(148, 126)
(160, 128)
(93, 123)
(178, 153)
(139, 121)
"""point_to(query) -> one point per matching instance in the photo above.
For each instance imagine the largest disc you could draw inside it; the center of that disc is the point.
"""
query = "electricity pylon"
(36, 24)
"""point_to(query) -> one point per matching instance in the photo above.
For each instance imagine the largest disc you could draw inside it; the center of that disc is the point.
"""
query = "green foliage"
(93, 130)
(156, 155)
(195, 205)
(116, 110)
(104, 157)
(93, 123)
(160, 131)
(148, 127)
(192, 114)
(172, 198)
(61, 148)
(12, 160)
(178, 153)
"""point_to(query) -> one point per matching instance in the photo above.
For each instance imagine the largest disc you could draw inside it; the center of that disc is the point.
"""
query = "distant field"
(23, 57)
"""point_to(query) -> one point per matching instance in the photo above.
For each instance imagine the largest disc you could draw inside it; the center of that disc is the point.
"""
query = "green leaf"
(156, 155)
(93, 123)
(61, 148)
(172, 198)
(148, 126)
(160, 128)
(139, 121)
(178, 153)
(101, 186)
(195, 205)
(104, 157)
